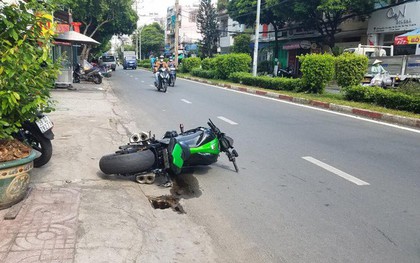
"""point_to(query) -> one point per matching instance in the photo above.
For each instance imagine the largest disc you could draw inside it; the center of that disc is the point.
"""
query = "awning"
(412, 37)
(73, 36)
(291, 46)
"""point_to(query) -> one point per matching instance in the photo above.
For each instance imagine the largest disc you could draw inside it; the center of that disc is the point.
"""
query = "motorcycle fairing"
(179, 152)
(211, 147)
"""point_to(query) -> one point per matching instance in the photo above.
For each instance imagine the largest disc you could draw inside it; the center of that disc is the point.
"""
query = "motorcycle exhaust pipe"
(139, 137)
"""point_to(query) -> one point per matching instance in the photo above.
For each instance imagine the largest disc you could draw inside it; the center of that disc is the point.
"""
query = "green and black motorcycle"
(145, 157)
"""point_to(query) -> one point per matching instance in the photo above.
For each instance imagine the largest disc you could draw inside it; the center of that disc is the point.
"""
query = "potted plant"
(27, 74)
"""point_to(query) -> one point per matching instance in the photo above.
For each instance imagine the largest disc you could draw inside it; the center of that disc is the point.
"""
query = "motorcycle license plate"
(44, 124)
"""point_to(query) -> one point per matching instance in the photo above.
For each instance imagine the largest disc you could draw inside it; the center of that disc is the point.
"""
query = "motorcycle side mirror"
(181, 127)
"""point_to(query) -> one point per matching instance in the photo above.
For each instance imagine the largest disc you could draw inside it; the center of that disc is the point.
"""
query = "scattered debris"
(165, 202)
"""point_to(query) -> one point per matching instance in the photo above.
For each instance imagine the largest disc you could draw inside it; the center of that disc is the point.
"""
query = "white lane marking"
(142, 81)
(336, 171)
(186, 101)
(227, 120)
(310, 107)
(151, 85)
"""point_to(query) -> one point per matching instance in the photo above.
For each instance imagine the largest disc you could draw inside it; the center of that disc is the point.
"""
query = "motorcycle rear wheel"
(41, 144)
(97, 79)
(127, 163)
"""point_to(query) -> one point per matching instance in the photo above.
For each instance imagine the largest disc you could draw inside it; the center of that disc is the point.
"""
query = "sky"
(160, 6)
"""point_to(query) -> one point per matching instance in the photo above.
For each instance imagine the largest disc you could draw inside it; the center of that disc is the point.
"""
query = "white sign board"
(404, 17)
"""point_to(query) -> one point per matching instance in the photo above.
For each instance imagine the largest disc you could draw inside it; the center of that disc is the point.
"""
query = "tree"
(27, 71)
(241, 43)
(244, 11)
(208, 28)
(325, 16)
(152, 39)
(101, 19)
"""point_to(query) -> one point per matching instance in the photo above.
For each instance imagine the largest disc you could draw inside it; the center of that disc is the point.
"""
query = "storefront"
(295, 49)
(385, 24)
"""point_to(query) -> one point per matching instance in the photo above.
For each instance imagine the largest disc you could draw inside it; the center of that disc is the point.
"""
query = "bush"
(317, 71)
(229, 63)
(208, 63)
(410, 87)
(189, 63)
(201, 73)
(350, 69)
(265, 81)
(386, 98)
(145, 63)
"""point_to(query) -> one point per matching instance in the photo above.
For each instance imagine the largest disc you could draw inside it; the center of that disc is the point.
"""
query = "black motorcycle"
(91, 74)
(163, 79)
(145, 157)
(38, 135)
(285, 72)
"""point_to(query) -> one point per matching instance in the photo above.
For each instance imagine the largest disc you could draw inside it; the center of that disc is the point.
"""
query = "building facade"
(188, 35)
(386, 23)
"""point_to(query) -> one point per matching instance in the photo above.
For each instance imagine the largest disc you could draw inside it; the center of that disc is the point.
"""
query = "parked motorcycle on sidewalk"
(145, 157)
(38, 134)
(163, 79)
(285, 73)
(172, 76)
(88, 72)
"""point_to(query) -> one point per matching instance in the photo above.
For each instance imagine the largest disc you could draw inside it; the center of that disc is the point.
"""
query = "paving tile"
(45, 229)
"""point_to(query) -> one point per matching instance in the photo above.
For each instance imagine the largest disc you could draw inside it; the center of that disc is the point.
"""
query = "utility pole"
(257, 36)
(137, 35)
(176, 31)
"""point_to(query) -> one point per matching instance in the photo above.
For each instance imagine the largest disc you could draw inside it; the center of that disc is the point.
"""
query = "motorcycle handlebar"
(213, 127)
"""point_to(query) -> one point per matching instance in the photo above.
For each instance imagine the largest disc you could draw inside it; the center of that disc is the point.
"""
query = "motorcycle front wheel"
(164, 86)
(42, 145)
(76, 78)
(127, 163)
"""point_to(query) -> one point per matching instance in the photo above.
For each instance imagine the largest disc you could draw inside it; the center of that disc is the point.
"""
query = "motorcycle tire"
(97, 79)
(41, 144)
(164, 86)
(127, 163)
(76, 78)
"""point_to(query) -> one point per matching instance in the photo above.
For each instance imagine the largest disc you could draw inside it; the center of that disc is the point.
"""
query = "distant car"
(130, 62)
(110, 61)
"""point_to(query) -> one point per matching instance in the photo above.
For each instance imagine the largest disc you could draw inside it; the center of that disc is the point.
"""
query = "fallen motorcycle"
(145, 157)
(38, 135)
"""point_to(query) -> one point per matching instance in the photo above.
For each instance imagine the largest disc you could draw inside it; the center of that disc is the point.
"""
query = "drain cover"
(165, 202)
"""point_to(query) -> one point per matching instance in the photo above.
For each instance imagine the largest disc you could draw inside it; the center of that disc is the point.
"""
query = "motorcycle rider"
(377, 67)
(159, 64)
(171, 64)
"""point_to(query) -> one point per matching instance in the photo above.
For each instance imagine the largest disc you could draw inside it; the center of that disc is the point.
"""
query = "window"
(193, 16)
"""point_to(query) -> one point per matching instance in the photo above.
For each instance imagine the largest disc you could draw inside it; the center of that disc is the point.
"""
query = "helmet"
(170, 60)
(161, 57)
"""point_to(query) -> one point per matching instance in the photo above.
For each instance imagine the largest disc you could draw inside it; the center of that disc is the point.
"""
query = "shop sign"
(398, 18)
(305, 44)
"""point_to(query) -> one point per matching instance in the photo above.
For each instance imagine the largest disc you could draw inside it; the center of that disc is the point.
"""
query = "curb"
(384, 117)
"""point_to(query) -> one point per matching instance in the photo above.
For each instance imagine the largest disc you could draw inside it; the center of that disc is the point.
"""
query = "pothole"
(165, 202)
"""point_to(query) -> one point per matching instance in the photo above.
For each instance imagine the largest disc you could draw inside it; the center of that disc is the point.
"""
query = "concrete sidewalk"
(74, 213)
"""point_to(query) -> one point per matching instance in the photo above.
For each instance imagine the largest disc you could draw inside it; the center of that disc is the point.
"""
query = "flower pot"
(14, 180)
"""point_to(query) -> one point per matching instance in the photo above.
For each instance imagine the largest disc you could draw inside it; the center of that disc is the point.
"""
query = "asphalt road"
(313, 186)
